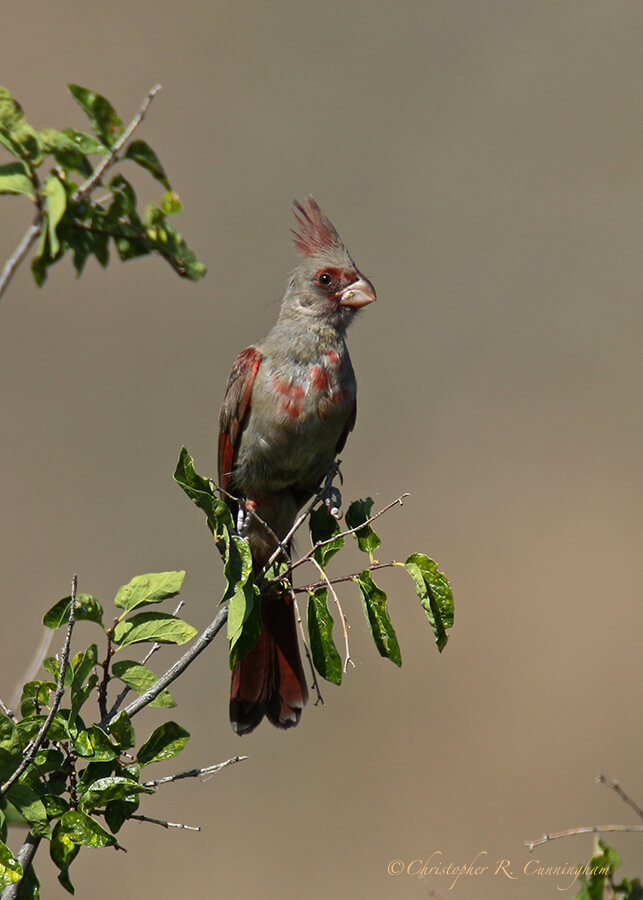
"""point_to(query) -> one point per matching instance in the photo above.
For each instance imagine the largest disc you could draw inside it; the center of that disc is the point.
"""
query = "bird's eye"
(324, 279)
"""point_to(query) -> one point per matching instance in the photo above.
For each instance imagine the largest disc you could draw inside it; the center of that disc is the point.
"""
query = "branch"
(165, 824)
(110, 159)
(58, 695)
(206, 637)
(195, 773)
(615, 786)
(25, 858)
(308, 588)
(31, 236)
(585, 829)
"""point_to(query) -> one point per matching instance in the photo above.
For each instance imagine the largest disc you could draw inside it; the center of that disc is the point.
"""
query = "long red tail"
(270, 680)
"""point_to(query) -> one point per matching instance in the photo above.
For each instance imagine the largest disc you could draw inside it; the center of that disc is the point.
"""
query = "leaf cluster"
(243, 589)
(69, 217)
(602, 882)
(85, 779)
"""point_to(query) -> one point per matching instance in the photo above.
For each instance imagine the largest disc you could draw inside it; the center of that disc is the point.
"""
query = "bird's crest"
(315, 233)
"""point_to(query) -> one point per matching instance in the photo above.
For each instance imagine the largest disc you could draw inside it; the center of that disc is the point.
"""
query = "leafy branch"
(67, 217)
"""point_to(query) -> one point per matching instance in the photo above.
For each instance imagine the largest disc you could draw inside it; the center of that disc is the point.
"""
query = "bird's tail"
(270, 680)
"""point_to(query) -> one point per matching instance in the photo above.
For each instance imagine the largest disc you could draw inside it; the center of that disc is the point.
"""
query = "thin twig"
(399, 501)
(35, 745)
(31, 236)
(207, 771)
(205, 638)
(345, 625)
(110, 159)
(9, 713)
(338, 579)
(585, 829)
(25, 858)
(309, 656)
(165, 824)
(615, 786)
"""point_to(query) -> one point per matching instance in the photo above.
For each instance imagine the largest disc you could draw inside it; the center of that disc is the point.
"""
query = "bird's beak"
(359, 293)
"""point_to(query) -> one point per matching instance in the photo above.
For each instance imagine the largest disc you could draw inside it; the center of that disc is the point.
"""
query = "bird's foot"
(330, 493)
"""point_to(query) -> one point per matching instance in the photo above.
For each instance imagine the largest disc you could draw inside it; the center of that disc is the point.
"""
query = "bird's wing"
(234, 411)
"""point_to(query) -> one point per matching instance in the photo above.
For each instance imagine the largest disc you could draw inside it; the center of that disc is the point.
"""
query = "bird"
(289, 406)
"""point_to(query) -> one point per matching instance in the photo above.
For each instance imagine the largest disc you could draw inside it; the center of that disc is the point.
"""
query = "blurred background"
(483, 164)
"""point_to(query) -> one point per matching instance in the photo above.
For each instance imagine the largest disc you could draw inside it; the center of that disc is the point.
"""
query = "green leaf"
(320, 631)
(117, 812)
(35, 695)
(146, 589)
(435, 595)
(94, 743)
(122, 730)
(359, 512)
(81, 829)
(169, 244)
(63, 851)
(165, 742)
(115, 788)
(87, 607)
(140, 679)
(10, 868)
(52, 665)
(15, 132)
(374, 604)
(244, 606)
(29, 805)
(55, 204)
(66, 151)
(323, 527)
(14, 179)
(141, 153)
(201, 491)
(85, 143)
(29, 727)
(104, 120)
(82, 684)
(153, 626)
(10, 748)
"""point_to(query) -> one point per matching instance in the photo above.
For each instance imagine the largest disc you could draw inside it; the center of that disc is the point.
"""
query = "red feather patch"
(315, 232)
(235, 409)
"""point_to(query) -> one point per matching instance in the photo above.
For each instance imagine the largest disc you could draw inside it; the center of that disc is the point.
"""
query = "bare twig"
(345, 626)
(338, 579)
(31, 236)
(25, 858)
(110, 159)
(199, 645)
(195, 773)
(165, 824)
(9, 713)
(35, 745)
(585, 829)
(309, 656)
(615, 786)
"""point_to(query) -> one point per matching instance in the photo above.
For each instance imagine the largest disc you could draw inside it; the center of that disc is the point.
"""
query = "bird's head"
(326, 286)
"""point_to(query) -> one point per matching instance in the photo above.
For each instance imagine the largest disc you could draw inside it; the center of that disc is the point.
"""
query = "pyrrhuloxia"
(288, 409)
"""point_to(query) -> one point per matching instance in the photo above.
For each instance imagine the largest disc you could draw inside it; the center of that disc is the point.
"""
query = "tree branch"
(58, 695)
(584, 829)
(205, 638)
(25, 858)
(195, 773)
(615, 786)
(31, 236)
(165, 824)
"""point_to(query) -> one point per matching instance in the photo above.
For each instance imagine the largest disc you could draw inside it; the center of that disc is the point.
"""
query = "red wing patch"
(235, 408)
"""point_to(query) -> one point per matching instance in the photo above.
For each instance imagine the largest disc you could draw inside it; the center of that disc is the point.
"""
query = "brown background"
(483, 163)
